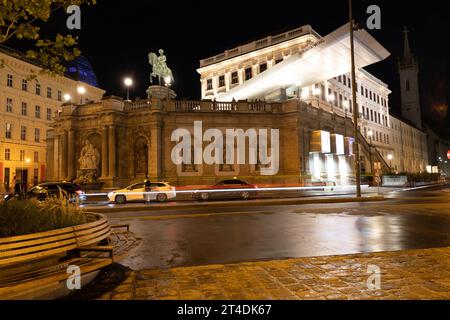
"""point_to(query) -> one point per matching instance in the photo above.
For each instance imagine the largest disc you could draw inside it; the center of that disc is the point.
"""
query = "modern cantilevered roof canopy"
(327, 58)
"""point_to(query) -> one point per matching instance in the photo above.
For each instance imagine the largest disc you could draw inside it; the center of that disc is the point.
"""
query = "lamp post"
(67, 97)
(81, 90)
(355, 114)
(370, 134)
(128, 82)
(168, 83)
(390, 157)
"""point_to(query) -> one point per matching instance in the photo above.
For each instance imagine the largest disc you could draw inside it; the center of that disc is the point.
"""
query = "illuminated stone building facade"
(27, 107)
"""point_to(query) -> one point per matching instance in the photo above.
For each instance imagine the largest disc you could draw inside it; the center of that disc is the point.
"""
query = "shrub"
(18, 217)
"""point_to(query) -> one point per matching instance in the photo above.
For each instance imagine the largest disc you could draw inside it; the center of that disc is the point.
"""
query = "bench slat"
(90, 224)
(93, 239)
(90, 230)
(23, 244)
(36, 235)
(32, 249)
(36, 255)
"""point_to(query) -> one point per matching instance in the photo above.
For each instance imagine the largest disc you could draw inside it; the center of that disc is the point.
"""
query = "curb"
(238, 204)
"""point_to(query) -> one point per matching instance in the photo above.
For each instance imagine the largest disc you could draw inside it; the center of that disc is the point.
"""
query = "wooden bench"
(29, 262)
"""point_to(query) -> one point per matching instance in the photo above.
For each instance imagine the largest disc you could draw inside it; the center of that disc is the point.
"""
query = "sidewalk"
(414, 274)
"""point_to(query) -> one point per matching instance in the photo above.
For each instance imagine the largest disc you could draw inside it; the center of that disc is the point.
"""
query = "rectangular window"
(9, 80)
(362, 90)
(341, 101)
(35, 176)
(23, 133)
(345, 80)
(335, 99)
(24, 108)
(37, 135)
(49, 92)
(209, 85)
(59, 95)
(24, 85)
(49, 114)
(371, 115)
(262, 67)
(7, 154)
(222, 81)
(340, 78)
(350, 84)
(22, 155)
(379, 118)
(36, 156)
(248, 74)
(367, 93)
(234, 78)
(38, 89)
(37, 112)
(8, 131)
(9, 105)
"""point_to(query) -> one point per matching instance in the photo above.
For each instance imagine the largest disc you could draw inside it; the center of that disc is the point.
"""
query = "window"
(379, 118)
(24, 108)
(248, 73)
(36, 156)
(9, 80)
(345, 80)
(37, 135)
(340, 78)
(407, 85)
(24, 85)
(9, 105)
(22, 155)
(49, 92)
(209, 85)
(371, 115)
(222, 81)
(7, 154)
(37, 112)
(38, 89)
(49, 114)
(234, 78)
(59, 95)
(362, 90)
(370, 95)
(8, 131)
(278, 60)
(262, 67)
(335, 99)
(340, 101)
(23, 133)
(35, 176)
(350, 84)
(367, 93)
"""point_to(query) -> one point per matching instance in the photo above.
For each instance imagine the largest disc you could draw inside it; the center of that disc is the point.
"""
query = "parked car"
(160, 191)
(50, 189)
(226, 189)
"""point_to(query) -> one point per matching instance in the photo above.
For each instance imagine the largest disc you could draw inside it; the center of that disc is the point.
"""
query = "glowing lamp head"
(27, 160)
(317, 91)
(167, 80)
(67, 97)
(81, 90)
(346, 105)
(331, 97)
(390, 157)
(370, 133)
(128, 82)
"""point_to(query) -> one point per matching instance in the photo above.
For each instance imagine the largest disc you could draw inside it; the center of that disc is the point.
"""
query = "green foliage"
(19, 217)
(20, 18)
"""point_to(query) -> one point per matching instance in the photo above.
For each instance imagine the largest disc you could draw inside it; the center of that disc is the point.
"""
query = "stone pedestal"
(161, 92)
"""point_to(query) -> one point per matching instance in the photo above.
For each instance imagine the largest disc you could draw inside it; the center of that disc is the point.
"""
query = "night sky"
(117, 36)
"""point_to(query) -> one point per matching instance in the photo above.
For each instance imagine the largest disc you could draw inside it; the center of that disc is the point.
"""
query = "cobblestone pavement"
(414, 274)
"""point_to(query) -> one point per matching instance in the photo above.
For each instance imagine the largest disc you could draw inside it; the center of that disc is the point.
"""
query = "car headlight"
(110, 194)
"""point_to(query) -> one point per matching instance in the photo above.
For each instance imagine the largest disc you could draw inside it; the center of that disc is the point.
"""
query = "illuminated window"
(8, 131)
(7, 154)
(9, 105)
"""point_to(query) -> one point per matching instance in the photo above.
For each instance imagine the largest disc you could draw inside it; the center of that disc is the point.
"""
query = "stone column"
(56, 149)
(112, 151)
(64, 155)
(105, 152)
(155, 150)
(71, 155)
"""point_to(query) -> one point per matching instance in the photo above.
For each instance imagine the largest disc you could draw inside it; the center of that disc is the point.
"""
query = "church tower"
(408, 69)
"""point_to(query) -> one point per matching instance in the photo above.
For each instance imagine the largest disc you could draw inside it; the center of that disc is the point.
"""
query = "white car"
(160, 191)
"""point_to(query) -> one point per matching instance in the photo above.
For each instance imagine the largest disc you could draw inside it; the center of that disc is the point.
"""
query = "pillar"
(71, 154)
(56, 149)
(64, 155)
(105, 152)
(112, 151)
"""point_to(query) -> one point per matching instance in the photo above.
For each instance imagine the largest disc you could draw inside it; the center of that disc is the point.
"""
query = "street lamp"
(370, 134)
(81, 90)
(128, 82)
(168, 82)
(346, 106)
(67, 97)
(390, 157)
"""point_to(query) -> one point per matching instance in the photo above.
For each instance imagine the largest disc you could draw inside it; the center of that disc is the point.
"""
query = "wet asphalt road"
(185, 237)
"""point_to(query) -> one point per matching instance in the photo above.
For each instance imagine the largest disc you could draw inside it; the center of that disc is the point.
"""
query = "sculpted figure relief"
(159, 67)
(89, 157)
